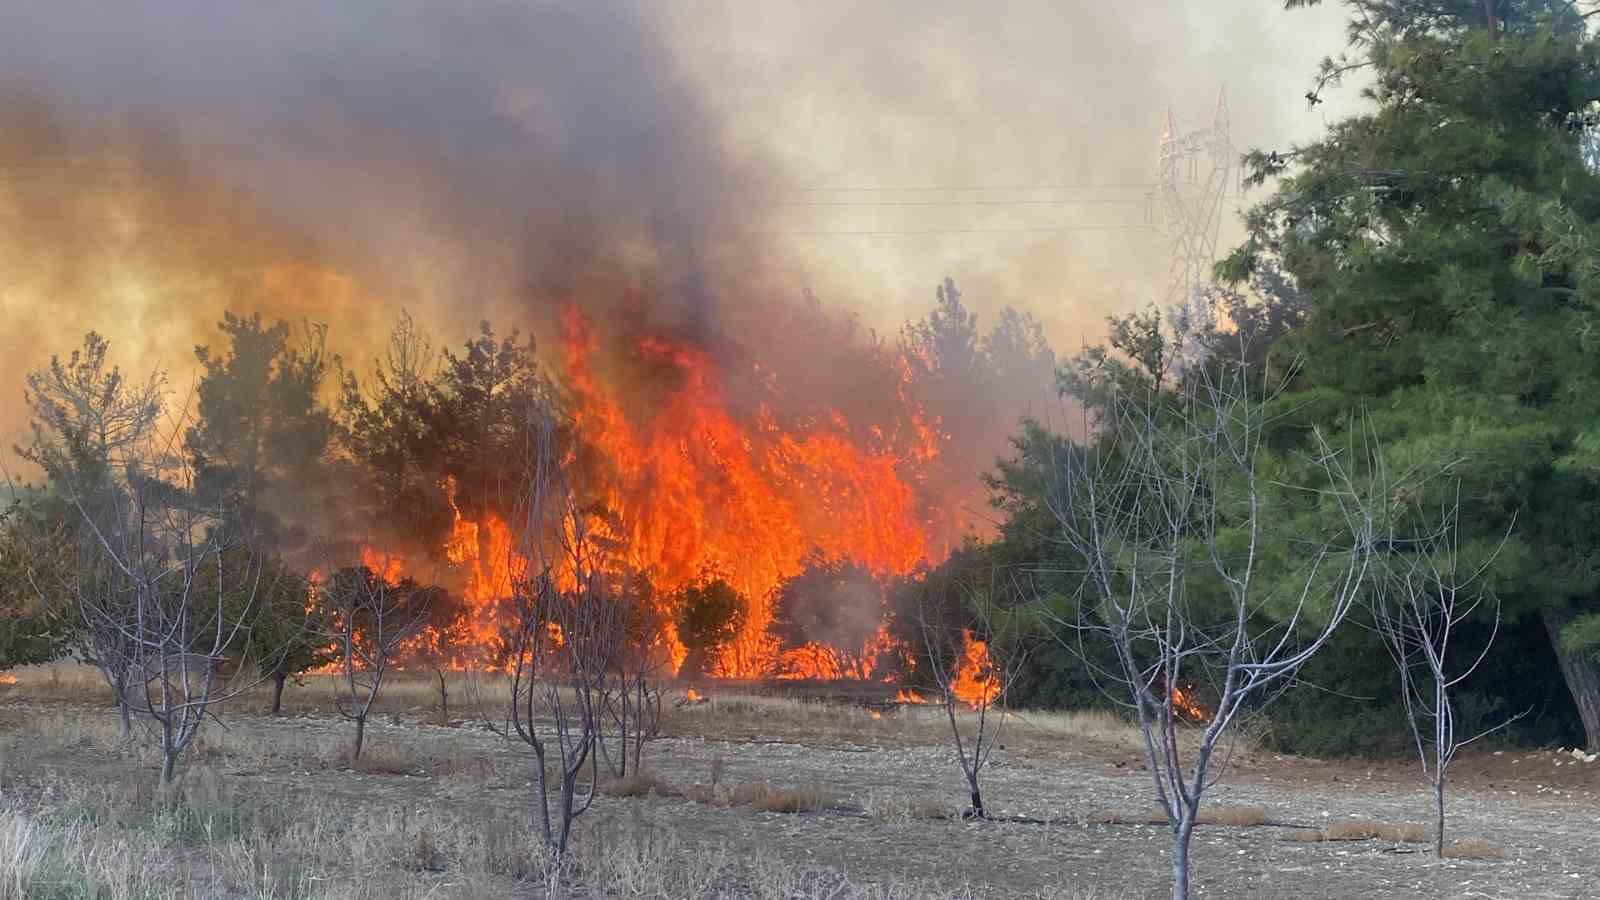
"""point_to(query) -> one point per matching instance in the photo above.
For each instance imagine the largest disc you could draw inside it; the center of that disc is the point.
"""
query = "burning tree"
(826, 620)
(1167, 510)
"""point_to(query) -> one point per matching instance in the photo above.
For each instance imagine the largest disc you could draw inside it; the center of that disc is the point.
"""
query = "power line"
(843, 189)
(892, 203)
(1023, 230)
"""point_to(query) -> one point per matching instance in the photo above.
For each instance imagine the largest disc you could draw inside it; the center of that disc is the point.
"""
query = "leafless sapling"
(372, 616)
(1427, 588)
(181, 579)
(972, 674)
(1166, 509)
(632, 698)
(567, 631)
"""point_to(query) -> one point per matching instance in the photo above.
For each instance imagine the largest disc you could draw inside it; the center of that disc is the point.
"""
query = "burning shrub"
(826, 621)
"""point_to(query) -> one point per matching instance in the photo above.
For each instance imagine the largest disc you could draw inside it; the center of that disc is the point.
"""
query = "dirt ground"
(1539, 806)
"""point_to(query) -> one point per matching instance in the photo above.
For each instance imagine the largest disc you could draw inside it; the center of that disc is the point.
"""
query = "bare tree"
(372, 617)
(568, 631)
(972, 675)
(1428, 588)
(177, 587)
(1166, 510)
(632, 699)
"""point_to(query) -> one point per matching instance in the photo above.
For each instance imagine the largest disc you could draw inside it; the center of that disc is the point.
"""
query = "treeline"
(320, 458)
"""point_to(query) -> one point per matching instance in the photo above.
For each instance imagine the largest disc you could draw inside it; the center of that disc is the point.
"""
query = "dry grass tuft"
(808, 798)
(896, 807)
(1363, 830)
(639, 784)
(1352, 830)
(1237, 816)
(1404, 833)
(1472, 848)
(385, 758)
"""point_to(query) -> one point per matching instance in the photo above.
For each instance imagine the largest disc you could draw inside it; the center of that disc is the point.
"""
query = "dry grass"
(413, 697)
(807, 798)
(889, 806)
(1235, 816)
(1363, 830)
(1472, 848)
(639, 784)
(208, 837)
(1224, 815)
(1151, 816)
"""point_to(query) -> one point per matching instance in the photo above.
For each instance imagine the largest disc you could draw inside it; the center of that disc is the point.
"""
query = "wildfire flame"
(912, 697)
(696, 485)
(976, 683)
(698, 489)
(1185, 706)
(6, 678)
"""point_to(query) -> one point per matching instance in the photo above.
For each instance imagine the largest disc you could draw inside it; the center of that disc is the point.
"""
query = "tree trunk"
(124, 717)
(1180, 858)
(361, 734)
(444, 699)
(1438, 805)
(169, 767)
(278, 678)
(1579, 671)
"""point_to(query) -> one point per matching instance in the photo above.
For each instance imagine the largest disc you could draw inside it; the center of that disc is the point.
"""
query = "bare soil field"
(746, 796)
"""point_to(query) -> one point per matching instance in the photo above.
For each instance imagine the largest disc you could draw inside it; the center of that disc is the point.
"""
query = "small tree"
(35, 623)
(1426, 590)
(632, 702)
(569, 631)
(178, 586)
(1167, 510)
(965, 669)
(88, 423)
(287, 636)
(710, 616)
(371, 618)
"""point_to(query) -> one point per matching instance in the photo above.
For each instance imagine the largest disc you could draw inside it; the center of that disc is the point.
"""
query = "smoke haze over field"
(160, 162)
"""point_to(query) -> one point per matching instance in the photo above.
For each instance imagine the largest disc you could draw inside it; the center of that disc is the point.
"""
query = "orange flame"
(976, 683)
(912, 697)
(698, 490)
(7, 678)
(1185, 706)
(693, 696)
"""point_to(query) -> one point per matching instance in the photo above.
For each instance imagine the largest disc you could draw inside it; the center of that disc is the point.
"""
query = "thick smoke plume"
(478, 160)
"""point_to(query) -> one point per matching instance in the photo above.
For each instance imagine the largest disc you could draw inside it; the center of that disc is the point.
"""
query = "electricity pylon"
(1196, 171)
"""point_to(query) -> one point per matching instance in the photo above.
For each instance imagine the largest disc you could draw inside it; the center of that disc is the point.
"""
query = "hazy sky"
(910, 93)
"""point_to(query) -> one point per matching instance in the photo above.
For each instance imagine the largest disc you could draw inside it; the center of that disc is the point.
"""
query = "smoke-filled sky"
(162, 161)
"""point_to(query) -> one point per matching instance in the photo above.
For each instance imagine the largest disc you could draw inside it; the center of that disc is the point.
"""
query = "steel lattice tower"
(1196, 171)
